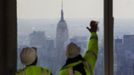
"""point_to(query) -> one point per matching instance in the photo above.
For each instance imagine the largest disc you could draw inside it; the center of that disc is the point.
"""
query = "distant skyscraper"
(129, 42)
(129, 51)
(119, 57)
(62, 32)
(61, 37)
(37, 39)
(49, 44)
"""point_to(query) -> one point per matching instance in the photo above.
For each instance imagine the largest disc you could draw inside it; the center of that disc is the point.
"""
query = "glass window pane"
(124, 37)
(49, 25)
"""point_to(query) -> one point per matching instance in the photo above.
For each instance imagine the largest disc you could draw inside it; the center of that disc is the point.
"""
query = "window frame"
(108, 37)
(8, 19)
(8, 37)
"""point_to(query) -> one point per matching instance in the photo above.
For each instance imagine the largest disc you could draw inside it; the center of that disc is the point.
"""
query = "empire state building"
(62, 32)
(61, 36)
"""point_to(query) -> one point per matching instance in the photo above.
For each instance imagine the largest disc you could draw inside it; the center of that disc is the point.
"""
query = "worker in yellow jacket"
(75, 63)
(29, 59)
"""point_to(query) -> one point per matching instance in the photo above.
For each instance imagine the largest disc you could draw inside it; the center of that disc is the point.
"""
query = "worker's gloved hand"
(93, 26)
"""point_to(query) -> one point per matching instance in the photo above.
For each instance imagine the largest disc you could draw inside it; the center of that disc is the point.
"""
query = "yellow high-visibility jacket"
(33, 70)
(90, 57)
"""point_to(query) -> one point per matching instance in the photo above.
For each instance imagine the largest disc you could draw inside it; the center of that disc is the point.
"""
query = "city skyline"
(121, 46)
(39, 31)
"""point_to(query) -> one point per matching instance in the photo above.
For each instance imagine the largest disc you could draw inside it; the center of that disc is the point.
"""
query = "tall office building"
(62, 31)
(119, 57)
(129, 51)
(128, 42)
(61, 37)
(37, 39)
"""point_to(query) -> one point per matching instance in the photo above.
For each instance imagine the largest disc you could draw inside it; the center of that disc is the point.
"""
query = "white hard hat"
(72, 50)
(28, 55)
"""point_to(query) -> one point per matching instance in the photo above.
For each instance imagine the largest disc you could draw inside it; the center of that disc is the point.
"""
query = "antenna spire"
(62, 13)
(62, 5)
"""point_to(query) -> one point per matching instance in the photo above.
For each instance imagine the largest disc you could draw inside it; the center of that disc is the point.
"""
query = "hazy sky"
(36, 9)
(123, 8)
(51, 8)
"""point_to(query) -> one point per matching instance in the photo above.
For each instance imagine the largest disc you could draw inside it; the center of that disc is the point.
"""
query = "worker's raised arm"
(92, 51)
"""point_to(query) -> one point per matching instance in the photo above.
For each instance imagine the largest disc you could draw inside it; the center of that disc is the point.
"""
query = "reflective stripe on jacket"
(90, 56)
(33, 70)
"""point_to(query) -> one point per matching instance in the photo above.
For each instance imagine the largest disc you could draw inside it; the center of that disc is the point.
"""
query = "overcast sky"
(41, 9)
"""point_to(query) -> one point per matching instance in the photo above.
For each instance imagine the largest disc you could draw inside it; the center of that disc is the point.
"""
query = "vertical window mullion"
(108, 37)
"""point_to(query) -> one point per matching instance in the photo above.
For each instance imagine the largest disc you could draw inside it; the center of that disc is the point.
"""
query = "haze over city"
(41, 21)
